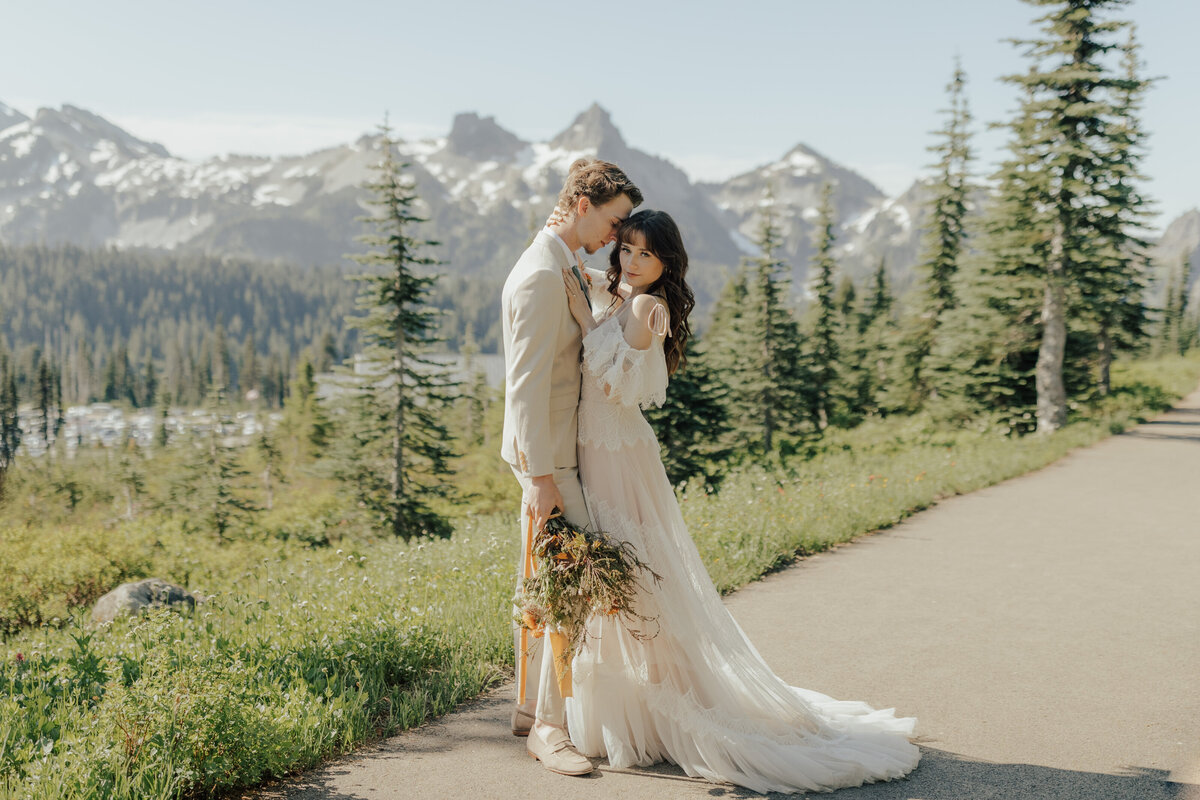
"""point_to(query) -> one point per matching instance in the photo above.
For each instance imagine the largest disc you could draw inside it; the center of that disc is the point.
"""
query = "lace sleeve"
(627, 375)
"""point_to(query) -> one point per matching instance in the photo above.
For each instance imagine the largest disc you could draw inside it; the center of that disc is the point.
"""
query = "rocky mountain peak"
(1184, 228)
(482, 139)
(77, 131)
(9, 116)
(1180, 242)
(591, 130)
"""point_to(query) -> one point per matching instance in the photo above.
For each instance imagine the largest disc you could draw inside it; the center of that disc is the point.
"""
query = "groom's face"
(598, 224)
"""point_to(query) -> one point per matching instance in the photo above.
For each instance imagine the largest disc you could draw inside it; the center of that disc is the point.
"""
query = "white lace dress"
(697, 694)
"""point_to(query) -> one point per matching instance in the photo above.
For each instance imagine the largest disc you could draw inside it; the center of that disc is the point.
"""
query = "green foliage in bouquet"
(580, 572)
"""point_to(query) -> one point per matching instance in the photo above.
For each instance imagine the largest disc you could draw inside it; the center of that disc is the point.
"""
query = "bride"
(693, 691)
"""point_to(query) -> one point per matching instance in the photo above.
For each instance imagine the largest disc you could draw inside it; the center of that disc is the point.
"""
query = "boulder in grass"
(133, 597)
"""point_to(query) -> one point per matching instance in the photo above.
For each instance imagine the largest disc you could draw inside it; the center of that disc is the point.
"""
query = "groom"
(542, 346)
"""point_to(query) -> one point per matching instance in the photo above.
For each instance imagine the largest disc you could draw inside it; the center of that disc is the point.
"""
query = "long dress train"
(693, 690)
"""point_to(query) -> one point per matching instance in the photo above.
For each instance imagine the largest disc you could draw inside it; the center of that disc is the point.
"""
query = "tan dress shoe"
(522, 721)
(551, 746)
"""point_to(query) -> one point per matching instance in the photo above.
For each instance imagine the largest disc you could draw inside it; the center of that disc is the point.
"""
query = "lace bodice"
(619, 380)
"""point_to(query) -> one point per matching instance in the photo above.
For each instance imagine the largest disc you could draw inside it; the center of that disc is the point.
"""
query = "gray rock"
(133, 597)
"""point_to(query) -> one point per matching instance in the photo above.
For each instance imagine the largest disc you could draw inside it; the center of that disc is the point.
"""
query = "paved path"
(1045, 631)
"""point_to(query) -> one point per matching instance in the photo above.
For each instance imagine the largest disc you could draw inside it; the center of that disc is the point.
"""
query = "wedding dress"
(692, 690)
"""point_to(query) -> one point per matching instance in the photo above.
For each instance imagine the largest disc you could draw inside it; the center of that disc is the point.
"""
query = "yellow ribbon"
(558, 641)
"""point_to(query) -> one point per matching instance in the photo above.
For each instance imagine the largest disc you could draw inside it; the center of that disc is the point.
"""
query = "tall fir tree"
(855, 372)
(148, 389)
(1071, 103)
(248, 371)
(753, 346)
(877, 335)
(944, 237)
(304, 418)
(823, 355)
(398, 328)
(44, 400)
(1173, 327)
(212, 491)
(476, 397)
(270, 458)
(10, 422)
(1114, 283)
(985, 360)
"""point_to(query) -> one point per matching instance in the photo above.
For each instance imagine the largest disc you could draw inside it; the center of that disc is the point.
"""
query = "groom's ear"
(582, 205)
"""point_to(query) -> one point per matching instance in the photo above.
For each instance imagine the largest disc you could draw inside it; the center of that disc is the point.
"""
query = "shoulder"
(534, 276)
(652, 312)
(537, 265)
(539, 254)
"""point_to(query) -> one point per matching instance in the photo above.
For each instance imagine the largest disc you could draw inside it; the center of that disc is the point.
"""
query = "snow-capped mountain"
(1179, 245)
(10, 116)
(69, 175)
(794, 181)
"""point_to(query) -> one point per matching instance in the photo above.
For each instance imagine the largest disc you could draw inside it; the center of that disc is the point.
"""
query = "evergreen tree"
(397, 330)
(880, 301)
(10, 428)
(132, 480)
(303, 416)
(271, 457)
(776, 354)
(1071, 106)
(212, 491)
(327, 354)
(985, 360)
(222, 376)
(149, 388)
(118, 380)
(476, 398)
(44, 400)
(164, 410)
(944, 237)
(248, 371)
(1114, 283)
(693, 424)
(877, 335)
(1175, 333)
(60, 417)
(823, 353)
(855, 366)
(753, 347)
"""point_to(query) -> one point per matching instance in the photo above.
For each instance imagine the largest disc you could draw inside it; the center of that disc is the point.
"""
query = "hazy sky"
(715, 87)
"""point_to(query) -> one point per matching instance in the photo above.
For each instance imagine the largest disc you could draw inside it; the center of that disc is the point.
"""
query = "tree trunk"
(398, 526)
(1104, 350)
(1051, 394)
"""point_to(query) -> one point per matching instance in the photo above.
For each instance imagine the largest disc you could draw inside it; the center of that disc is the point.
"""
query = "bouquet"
(577, 572)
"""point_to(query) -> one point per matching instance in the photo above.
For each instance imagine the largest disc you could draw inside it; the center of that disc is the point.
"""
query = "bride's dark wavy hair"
(661, 237)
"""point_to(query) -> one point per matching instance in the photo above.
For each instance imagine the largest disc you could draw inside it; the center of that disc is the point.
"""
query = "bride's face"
(639, 267)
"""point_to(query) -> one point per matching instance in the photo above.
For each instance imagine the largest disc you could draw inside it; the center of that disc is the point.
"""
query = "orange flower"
(531, 622)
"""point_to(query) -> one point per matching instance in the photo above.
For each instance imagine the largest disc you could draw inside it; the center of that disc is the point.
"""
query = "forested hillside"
(117, 325)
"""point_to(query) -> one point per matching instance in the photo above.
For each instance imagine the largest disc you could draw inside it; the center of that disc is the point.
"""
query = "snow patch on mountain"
(801, 163)
(21, 139)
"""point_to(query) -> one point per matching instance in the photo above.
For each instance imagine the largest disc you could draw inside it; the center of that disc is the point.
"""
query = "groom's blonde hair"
(598, 181)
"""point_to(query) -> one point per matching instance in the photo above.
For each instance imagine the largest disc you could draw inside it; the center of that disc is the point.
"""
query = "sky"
(716, 87)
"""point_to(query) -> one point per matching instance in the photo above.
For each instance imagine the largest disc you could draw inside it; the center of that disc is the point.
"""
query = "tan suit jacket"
(542, 343)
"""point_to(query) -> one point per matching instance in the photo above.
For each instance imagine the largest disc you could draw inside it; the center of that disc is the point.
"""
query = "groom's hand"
(544, 497)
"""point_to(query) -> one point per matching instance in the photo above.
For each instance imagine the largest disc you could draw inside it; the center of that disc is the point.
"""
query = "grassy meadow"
(319, 634)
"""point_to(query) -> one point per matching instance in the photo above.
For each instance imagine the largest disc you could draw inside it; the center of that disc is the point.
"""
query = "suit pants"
(542, 697)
